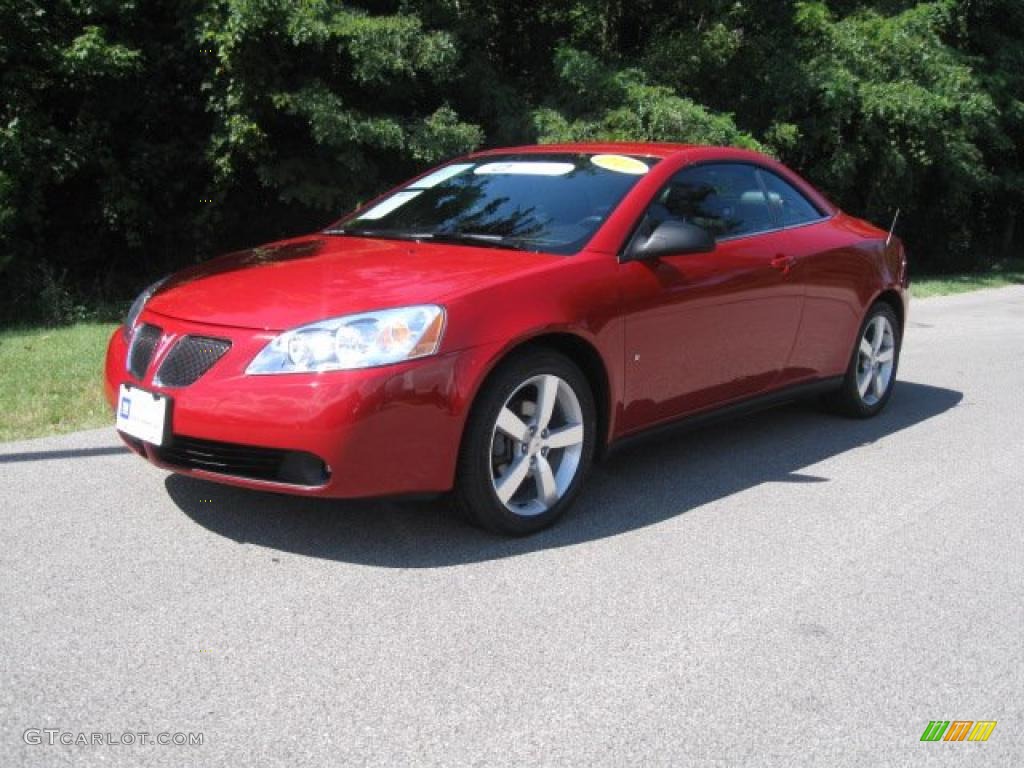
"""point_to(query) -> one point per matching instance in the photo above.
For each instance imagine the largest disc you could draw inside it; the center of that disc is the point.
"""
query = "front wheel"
(871, 374)
(528, 444)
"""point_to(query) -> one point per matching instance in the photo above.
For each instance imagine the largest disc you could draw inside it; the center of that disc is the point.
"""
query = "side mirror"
(671, 238)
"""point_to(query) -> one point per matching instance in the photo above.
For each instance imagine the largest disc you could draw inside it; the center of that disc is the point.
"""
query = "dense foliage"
(137, 137)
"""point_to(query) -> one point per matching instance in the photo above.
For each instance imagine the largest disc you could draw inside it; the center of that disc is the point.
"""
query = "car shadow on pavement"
(644, 484)
(68, 453)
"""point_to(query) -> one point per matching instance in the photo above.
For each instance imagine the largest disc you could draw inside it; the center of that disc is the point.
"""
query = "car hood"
(287, 284)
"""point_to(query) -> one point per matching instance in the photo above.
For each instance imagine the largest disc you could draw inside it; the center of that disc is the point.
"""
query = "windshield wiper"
(480, 239)
(391, 234)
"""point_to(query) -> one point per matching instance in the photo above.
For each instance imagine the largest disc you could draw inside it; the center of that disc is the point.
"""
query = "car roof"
(649, 149)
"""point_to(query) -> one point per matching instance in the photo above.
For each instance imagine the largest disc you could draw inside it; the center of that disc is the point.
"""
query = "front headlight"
(354, 341)
(137, 306)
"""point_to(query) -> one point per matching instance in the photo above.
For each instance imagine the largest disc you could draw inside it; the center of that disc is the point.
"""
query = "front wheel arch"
(579, 351)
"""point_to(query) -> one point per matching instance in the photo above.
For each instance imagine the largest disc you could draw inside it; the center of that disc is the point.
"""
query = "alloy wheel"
(536, 445)
(876, 358)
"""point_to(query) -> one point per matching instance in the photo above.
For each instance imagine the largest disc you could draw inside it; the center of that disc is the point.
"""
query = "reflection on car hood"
(283, 285)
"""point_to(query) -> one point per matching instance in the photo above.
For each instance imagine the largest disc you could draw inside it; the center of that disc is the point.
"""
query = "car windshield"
(538, 202)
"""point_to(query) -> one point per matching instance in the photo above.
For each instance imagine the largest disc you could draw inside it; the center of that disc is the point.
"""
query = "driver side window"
(726, 200)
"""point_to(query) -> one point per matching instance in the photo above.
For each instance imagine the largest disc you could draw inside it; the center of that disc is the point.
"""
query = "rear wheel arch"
(895, 301)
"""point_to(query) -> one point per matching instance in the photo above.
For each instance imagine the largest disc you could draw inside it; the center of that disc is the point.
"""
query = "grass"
(51, 380)
(1008, 273)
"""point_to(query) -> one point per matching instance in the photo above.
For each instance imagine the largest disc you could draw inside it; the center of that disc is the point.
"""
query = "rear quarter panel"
(844, 265)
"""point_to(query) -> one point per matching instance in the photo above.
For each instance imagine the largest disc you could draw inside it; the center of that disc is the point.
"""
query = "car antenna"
(892, 228)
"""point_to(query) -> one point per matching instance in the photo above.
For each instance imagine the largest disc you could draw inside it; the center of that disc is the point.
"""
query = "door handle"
(782, 262)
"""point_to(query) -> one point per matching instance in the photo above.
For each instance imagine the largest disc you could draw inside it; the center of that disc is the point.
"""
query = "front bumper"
(393, 430)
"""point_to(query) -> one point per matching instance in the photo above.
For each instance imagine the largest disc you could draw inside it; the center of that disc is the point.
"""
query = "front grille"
(190, 358)
(249, 461)
(144, 342)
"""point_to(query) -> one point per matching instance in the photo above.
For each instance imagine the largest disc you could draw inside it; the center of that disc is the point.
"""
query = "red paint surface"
(675, 336)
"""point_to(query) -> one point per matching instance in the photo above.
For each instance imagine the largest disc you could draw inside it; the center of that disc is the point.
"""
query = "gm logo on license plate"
(126, 406)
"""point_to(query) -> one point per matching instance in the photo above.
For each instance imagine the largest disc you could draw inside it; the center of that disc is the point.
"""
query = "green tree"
(992, 32)
(321, 105)
(900, 120)
(136, 138)
(97, 121)
(595, 102)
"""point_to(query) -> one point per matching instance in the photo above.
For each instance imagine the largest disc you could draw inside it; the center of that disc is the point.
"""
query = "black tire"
(847, 400)
(475, 496)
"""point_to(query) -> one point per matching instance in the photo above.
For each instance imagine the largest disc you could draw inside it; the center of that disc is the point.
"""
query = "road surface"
(788, 589)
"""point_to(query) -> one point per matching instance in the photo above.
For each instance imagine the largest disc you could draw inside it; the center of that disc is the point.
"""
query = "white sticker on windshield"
(442, 174)
(397, 200)
(526, 168)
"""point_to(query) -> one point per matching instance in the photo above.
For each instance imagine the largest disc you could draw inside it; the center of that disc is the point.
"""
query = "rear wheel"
(870, 377)
(528, 445)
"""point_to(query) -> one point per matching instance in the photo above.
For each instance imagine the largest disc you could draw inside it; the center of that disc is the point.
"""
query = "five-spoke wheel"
(876, 359)
(536, 445)
(872, 372)
(528, 443)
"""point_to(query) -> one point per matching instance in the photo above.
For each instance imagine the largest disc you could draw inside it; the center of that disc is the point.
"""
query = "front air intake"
(144, 342)
(190, 358)
(246, 461)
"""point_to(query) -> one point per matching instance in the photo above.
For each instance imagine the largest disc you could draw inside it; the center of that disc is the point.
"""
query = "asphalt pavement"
(788, 589)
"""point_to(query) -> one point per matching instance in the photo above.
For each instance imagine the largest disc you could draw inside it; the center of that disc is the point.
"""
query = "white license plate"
(142, 414)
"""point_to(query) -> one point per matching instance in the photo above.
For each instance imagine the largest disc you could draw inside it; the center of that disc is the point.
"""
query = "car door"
(827, 269)
(706, 329)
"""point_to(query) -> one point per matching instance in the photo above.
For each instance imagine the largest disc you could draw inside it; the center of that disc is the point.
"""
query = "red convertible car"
(494, 325)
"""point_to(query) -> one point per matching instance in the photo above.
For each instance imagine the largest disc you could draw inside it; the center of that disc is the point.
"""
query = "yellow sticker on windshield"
(620, 164)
